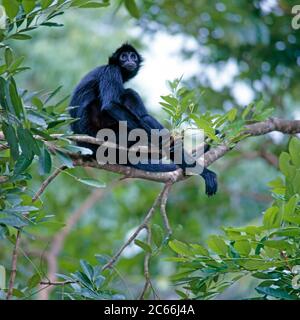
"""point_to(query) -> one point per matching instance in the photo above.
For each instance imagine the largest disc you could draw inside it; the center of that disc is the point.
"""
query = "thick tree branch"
(273, 124)
(260, 128)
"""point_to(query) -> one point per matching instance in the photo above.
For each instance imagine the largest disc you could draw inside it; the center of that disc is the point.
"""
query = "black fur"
(101, 101)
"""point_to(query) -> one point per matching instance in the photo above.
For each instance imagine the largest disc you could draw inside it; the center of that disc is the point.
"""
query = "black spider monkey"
(100, 101)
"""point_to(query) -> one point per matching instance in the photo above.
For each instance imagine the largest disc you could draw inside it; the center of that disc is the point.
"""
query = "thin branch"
(47, 182)
(163, 209)
(142, 226)
(56, 283)
(13, 266)
(147, 284)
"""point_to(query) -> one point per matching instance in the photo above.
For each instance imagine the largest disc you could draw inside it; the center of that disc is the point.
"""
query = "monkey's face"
(129, 60)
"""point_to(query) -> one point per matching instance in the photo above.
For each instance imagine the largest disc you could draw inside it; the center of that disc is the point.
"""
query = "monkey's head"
(128, 59)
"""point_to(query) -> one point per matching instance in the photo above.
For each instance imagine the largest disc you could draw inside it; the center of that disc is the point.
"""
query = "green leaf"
(16, 63)
(173, 102)
(92, 183)
(46, 3)
(255, 264)
(182, 294)
(180, 247)
(64, 159)
(12, 100)
(145, 246)
(4, 232)
(52, 94)
(13, 221)
(11, 7)
(2, 278)
(78, 3)
(287, 232)
(199, 250)
(247, 110)
(27, 142)
(18, 293)
(45, 162)
(267, 275)
(232, 114)
(284, 164)
(296, 182)
(3, 68)
(87, 269)
(205, 125)
(21, 209)
(99, 281)
(8, 56)
(259, 106)
(217, 244)
(294, 150)
(34, 281)
(132, 8)
(157, 235)
(28, 5)
(277, 185)
(290, 207)
(37, 102)
(20, 36)
(82, 277)
(12, 140)
(242, 247)
(278, 244)
(93, 4)
(22, 163)
(270, 219)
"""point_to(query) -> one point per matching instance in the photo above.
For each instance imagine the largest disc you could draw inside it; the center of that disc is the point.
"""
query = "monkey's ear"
(113, 59)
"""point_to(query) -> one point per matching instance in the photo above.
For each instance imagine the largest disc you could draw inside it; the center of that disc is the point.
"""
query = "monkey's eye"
(133, 56)
(123, 56)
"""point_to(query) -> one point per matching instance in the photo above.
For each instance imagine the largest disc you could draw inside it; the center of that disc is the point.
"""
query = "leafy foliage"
(268, 252)
(90, 283)
(182, 106)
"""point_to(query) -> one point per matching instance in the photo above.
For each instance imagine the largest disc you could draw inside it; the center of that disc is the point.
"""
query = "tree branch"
(146, 264)
(56, 283)
(163, 209)
(47, 182)
(13, 266)
(256, 129)
(142, 226)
